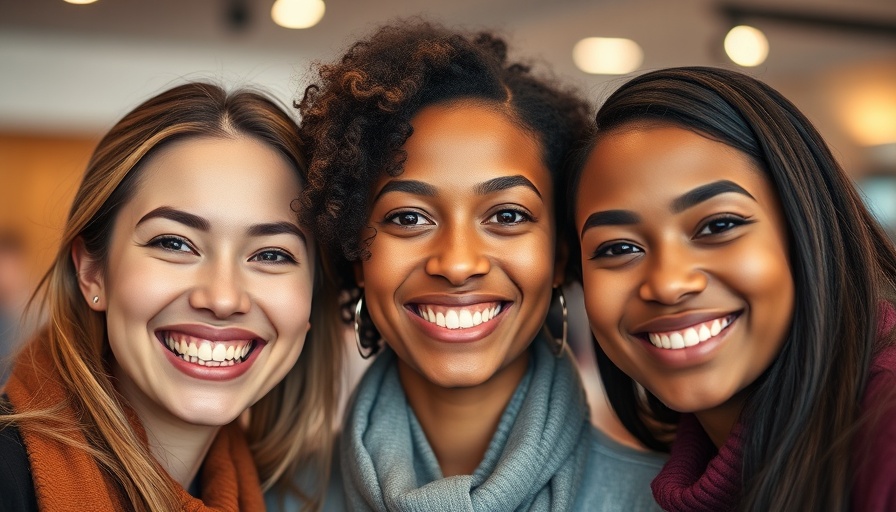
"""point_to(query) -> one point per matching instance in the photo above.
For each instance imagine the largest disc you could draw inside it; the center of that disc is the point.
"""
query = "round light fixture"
(80, 2)
(607, 55)
(297, 13)
(746, 46)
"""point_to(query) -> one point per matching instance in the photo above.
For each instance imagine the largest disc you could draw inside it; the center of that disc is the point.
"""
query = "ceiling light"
(746, 46)
(607, 55)
(80, 2)
(297, 13)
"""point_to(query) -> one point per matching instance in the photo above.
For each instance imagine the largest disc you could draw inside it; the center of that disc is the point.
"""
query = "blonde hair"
(292, 425)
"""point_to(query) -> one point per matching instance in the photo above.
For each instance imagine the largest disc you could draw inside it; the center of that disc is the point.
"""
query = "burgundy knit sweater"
(698, 477)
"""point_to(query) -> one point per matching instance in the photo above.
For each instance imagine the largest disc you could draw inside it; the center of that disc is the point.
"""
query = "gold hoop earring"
(557, 322)
(366, 353)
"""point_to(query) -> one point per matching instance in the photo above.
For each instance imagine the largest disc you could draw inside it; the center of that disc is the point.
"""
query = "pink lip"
(467, 335)
(213, 373)
(210, 333)
(689, 356)
(466, 299)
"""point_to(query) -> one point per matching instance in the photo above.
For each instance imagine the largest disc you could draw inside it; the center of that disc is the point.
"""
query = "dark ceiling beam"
(739, 14)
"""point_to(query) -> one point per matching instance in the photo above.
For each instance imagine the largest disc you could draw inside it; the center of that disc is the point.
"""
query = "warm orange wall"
(38, 178)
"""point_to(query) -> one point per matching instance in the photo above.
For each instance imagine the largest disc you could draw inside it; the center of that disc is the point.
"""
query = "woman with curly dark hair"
(435, 165)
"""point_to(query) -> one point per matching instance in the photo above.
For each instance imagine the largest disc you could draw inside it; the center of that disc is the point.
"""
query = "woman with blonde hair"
(180, 299)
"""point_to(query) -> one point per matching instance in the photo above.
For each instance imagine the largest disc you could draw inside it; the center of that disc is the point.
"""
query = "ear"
(90, 279)
(359, 273)
(561, 257)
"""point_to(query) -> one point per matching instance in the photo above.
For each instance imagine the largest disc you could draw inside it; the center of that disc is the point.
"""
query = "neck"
(179, 447)
(719, 421)
(459, 423)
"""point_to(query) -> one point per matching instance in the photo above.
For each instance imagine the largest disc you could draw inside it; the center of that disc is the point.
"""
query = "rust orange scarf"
(68, 479)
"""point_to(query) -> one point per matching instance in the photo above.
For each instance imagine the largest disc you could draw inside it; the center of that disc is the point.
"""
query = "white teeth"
(207, 353)
(466, 319)
(459, 318)
(704, 333)
(219, 353)
(452, 321)
(677, 340)
(690, 336)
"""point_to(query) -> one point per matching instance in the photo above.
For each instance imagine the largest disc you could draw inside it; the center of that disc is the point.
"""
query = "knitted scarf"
(535, 460)
(69, 479)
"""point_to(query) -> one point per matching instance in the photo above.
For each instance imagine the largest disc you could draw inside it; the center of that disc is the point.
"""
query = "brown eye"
(408, 219)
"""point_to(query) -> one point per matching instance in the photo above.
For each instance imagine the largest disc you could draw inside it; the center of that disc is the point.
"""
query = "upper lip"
(210, 333)
(679, 321)
(466, 299)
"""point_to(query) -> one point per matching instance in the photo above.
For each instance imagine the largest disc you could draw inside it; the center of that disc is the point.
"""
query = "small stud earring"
(96, 299)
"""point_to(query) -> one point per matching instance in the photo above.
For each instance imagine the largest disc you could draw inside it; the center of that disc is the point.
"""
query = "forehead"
(659, 160)
(465, 142)
(235, 173)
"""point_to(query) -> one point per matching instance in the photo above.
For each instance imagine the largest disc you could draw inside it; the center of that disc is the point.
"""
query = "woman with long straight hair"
(741, 296)
(181, 297)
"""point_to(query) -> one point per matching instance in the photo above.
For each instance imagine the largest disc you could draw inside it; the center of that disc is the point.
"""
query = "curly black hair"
(356, 117)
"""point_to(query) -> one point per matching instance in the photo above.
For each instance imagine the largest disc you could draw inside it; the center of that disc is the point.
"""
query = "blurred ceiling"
(76, 69)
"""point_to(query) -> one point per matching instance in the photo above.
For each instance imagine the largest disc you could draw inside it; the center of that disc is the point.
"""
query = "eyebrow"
(706, 192)
(610, 218)
(197, 222)
(409, 186)
(276, 228)
(504, 183)
(182, 217)
(487, 187)
(679, 204)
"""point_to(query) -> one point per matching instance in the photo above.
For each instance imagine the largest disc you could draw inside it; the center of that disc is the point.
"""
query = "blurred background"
(68, 72)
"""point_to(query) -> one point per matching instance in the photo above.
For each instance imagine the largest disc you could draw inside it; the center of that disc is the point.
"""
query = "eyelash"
(524, 216)
(162, 241)
(730, 221)
(393, 218)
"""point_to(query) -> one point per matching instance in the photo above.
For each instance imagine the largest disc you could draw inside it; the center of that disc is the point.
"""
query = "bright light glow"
(80, 2)
(746, 46)
(868, 113)
(607, 55)
(297, 13)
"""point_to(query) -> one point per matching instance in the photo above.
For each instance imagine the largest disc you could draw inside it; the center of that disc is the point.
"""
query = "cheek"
(288, 304)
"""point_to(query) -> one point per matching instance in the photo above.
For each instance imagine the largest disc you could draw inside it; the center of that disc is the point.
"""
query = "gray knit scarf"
(534, 462)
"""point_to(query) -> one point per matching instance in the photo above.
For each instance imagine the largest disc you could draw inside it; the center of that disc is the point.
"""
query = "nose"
(220, 289)
(672, 275)
(458, 255)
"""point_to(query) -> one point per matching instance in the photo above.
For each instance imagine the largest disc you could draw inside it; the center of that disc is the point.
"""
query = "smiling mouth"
(458, 317)
(689, 336)
(207, 353)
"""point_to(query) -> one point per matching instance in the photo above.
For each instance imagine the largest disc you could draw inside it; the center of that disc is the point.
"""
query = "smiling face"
(208, 281)
(461, 268)
(685, 263)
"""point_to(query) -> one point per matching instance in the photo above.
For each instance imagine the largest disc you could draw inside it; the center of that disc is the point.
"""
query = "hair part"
(292, 424)
(843, 264)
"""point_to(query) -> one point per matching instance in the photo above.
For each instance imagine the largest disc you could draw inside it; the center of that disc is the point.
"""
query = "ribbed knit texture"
(535, 460)
(67, 479)
(697, 477)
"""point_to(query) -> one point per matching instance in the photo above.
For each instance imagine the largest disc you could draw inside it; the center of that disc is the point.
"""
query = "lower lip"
(464, 335)
(218, 373)
(689, 356)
